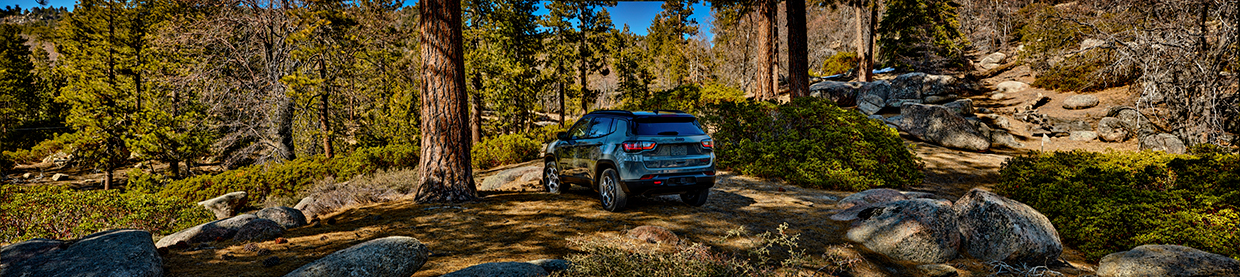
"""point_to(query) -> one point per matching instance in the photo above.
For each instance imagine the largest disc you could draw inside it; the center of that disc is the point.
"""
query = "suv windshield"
(677, 126)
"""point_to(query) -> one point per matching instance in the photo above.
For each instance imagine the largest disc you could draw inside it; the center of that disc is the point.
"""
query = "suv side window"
(579, 130)
(599, 127)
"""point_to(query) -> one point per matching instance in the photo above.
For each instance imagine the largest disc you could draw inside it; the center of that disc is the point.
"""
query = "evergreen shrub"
(504, 149)
(56, 212)
(1108, 202)
(810, 142)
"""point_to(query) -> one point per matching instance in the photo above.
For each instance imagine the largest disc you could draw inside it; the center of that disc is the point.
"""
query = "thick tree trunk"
(444, 171)
(768, 62)
(798, 49)
(865, 41)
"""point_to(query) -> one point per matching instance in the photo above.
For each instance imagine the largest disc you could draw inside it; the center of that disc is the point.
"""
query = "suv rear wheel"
(551, 178)
(609, 191)
(695, 198)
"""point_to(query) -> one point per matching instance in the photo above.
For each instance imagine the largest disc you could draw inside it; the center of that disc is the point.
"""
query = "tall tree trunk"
(865, 40)
(798, 49)
(582, 71)
(560, 87)
(767, 59)
(475, 115)
(324, 125)
(444, 171)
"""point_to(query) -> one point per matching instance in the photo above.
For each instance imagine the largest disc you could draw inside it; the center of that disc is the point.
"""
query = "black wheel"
(609, 191)
(551, 179)
(695, 198)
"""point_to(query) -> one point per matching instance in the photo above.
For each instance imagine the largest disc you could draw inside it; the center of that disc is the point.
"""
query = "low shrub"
(810, 142)
(328, 195)
(840, 63)
(288, 178)
(61, 142)
(615, 256)
(6, 162)
(61, 213)
(504, 149)
(1107, 202)
(689, 98)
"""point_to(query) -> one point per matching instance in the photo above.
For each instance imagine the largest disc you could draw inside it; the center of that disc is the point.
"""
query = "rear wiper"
(669, 133)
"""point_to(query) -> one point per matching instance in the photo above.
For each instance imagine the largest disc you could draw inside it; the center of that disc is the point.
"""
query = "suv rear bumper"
(669, 184)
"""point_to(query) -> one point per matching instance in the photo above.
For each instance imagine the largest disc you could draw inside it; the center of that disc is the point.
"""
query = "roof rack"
(668, 111)
(621, 112)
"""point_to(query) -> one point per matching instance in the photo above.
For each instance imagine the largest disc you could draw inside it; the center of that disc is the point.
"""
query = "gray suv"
(623, 153)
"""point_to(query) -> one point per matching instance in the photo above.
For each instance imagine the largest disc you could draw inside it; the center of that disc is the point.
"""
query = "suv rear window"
(668, 126)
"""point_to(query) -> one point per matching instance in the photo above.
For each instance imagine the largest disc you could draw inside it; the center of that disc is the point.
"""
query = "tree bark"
(865, 41)
(324, 125)
(798, 49)
(444, 171)
(560, 87)
(767, 59)
(475, 116)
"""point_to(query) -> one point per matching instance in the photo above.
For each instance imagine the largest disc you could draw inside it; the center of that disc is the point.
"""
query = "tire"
(611, 195)
(551, 179)
(695, 198)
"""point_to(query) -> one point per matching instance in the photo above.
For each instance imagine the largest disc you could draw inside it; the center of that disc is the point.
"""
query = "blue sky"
(637, 14)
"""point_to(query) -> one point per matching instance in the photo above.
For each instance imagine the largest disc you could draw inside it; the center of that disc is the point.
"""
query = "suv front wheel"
(609, 191)
(551, 178)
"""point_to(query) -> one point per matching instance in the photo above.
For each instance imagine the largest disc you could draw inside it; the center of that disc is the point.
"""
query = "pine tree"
(922, 34)
(445, 173)
(560, 51)
(630, 63)
(18, 97)
(501, 60)
(666, 38)
(322, 41)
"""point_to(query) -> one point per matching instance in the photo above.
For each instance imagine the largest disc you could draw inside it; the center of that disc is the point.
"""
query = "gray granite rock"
(917, 230)
(385, 257)
(996, 228)
(285, 216)
(226, 205)
(502, 269)
(1166, 260)
(107, 253)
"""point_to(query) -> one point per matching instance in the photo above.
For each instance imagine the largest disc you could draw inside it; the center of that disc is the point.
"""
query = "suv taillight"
(635, 146)
(707, 143)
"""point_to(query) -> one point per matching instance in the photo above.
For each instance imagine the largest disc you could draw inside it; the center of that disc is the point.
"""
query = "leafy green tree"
(580, 47)
(559, 50)
(630, 63)
(501, 59)
(323, 42)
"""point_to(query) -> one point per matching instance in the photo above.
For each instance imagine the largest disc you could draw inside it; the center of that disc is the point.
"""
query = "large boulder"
(870, 104)
(107, 253)
(1111, 129)
(961, 107)
(992, 61)
(853, 204)
(1082, 135)
(552, 265)
(226, 205)
(1077, 102)
(1009, 87)
(1163, 142)
(917, 230)
(843, 93)
(207, 232)
(942, 126)
(907, 86)
(259, 230)
(939, 85)
(996, 228)
(1132, 120)
(500, 180)
(504, 269)
(389, 256)
(1166, 260)
(285, 216)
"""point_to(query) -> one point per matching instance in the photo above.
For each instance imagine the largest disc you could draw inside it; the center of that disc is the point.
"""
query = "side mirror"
(561, 136)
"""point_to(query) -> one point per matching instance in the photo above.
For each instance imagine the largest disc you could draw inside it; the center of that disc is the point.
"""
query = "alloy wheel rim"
(553, 179)
(609, 188)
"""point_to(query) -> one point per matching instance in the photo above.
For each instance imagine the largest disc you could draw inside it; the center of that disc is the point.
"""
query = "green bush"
(61, 142)
(6, 162)
(61, 213)
(1108, 202)
(288, 178)
(840, 63)
(810, 142)
(690, 98)
(504, 149)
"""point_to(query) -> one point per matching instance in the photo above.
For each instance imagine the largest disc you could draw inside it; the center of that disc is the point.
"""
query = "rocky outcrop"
(226, 205)
(1111, 129)
(285, 216)
(1132, 121)
(870, 104)
(1163, 142)
(653, 234)
(939, 125)
(853, 204)
(917, 230)
(961, 107)
(1011, 87)
(107, 253)
(390, 256)
(995, 228)
(1166, 260)
(500, 181)
(843, 93)
(1077, 102)
(992, 61)
(1082, 135)
(503, 269)
(206, 232)
(259, 230)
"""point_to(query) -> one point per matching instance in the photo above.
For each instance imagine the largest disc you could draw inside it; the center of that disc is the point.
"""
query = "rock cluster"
(980, 224)
(389, 256)
(107, 253)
